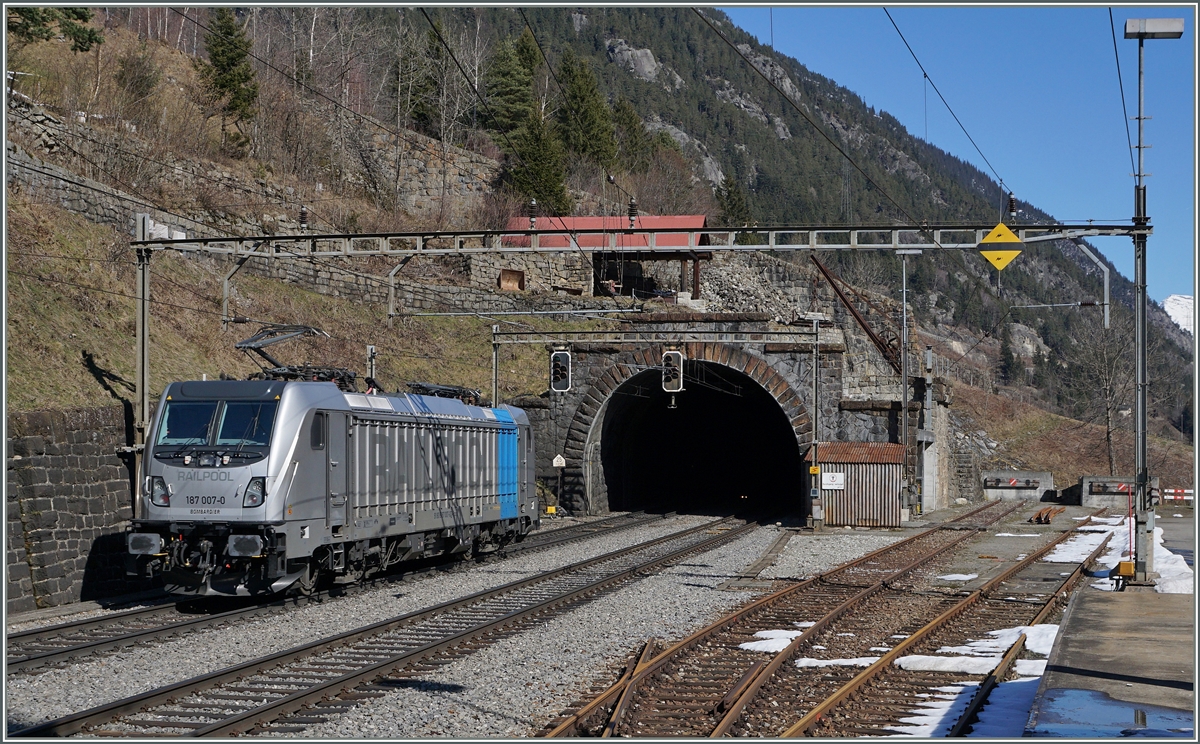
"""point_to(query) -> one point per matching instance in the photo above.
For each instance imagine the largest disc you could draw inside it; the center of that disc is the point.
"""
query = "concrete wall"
(68, 501)
(1118, 502)
(1043, 491)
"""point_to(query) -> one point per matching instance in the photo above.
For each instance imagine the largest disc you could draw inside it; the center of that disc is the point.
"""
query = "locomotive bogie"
(343, 484)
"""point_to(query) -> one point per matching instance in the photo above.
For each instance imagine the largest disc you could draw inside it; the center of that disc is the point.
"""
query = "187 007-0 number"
(219, 500)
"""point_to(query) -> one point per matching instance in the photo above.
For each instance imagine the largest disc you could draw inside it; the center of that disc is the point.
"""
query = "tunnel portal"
(722, 444)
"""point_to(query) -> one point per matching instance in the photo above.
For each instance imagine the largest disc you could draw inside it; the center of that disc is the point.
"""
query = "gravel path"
(809, 554)
(32, 698)
(512, 688)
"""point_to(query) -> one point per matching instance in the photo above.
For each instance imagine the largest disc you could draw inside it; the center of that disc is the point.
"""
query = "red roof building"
(660, 226)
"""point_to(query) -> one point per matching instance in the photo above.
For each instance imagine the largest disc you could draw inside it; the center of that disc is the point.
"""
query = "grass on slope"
(70, 346)
(1034, 439)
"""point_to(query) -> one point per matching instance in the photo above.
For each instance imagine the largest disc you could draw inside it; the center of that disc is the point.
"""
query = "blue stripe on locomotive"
(506, 480)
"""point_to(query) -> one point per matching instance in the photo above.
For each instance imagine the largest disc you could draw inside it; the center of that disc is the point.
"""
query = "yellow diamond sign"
(1000, 259)
(1000, 246)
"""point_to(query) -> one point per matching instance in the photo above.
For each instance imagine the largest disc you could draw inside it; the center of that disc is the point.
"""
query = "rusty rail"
(811, 718)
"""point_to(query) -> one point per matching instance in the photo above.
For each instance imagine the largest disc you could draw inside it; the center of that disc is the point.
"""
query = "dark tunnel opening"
(722, 445)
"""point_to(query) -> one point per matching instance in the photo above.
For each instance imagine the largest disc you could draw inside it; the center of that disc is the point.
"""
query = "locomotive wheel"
(307, 582)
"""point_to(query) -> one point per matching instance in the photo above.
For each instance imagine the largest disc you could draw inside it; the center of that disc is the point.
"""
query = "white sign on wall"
(833, 481)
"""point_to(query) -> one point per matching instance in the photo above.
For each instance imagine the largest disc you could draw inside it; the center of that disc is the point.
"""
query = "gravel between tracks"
(512, 688)
(87, 610)
(36, 697)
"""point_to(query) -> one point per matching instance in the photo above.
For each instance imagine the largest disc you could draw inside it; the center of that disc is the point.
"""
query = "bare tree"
(1099, 381)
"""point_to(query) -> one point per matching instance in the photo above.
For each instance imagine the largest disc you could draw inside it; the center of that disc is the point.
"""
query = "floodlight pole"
(1143, 547)
(1143, 554)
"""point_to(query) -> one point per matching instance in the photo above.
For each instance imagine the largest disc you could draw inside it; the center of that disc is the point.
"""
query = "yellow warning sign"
(1000, 234)
(1005, 244)
(814, 470)
(1000, 259)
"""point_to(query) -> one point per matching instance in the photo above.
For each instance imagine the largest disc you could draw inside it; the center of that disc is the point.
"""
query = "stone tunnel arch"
(705, 454)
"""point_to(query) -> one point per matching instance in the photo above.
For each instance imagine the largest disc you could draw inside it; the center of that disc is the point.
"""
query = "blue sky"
(1037, 89)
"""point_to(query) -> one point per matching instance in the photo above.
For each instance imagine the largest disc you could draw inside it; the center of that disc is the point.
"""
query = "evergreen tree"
(528, 52)
(228, 76)
(1012, 370)
(585, 122)
(634, 145)
(30, 25)
(509, 93)
(735, 209)
(538, 171)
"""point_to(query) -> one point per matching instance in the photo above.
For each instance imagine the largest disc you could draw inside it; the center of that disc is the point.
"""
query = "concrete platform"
(1122, 665)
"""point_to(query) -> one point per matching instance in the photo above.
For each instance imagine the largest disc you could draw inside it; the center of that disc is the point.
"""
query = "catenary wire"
(814, 125)
(944, 101)
(1121, 83)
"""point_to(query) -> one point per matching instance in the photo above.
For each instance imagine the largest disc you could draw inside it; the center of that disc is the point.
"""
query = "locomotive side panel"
(414, 475)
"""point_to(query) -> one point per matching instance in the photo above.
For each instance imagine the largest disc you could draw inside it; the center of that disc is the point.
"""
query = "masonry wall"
(420, 174)
(68, 503)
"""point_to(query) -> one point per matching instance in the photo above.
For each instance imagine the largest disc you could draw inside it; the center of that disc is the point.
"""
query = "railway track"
(294, 688)
(718, 682)
(42, 647)
(584, 530)
(873, 701)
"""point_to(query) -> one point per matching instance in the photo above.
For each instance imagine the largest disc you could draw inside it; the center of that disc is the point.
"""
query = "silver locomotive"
(252, 487)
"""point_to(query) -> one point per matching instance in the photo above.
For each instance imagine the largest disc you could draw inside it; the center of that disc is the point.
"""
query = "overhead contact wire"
(812, 123)
(944, 101)
(1121, 83)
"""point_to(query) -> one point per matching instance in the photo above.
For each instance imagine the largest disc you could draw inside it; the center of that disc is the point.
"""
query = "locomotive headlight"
(256, 491)
(159, 495)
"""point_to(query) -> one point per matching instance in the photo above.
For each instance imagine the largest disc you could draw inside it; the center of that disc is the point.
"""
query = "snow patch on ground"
(776, 640)
(862, 661)
(959, 577)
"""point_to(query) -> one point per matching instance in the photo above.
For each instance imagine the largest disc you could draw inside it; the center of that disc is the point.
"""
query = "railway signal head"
(560, 371)
(672, 371)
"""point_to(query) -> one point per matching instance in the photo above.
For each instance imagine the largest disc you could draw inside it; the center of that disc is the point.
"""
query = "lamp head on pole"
(1153, 28)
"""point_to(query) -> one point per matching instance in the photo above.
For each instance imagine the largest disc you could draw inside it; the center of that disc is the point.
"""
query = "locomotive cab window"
(316, 435)
(211, 423)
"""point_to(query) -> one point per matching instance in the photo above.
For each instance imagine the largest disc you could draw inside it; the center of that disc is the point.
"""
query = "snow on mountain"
(1179, 307)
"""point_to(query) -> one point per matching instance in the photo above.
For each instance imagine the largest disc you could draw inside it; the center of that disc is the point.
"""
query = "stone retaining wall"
(419, 174)
(69, 504)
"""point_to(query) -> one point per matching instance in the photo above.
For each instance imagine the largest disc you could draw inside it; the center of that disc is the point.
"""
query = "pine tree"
(538, 171)
(585, 121)
(228, 76)
(509, 92)
(29, 25)
(528, 52)
(634, 145)
(1012, 370)
(735, 209)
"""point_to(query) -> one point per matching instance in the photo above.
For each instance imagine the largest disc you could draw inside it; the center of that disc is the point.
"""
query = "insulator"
(1012, 205)
(633, 211)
